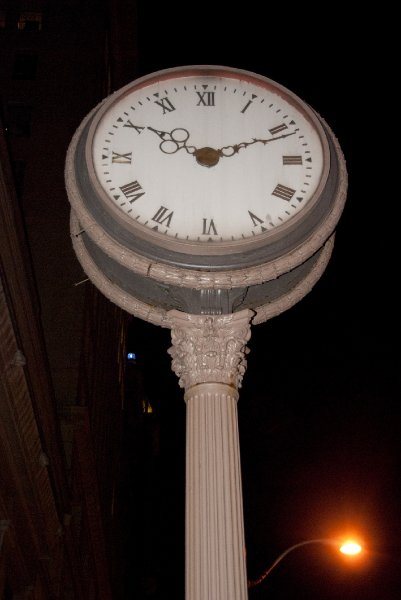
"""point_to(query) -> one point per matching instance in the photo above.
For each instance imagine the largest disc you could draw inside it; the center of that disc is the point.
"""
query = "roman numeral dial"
(208, 158)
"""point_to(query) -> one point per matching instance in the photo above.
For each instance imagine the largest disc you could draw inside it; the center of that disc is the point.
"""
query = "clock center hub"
(207, 157)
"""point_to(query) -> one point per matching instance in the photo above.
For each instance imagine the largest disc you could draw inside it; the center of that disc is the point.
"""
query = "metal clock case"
(204, 188)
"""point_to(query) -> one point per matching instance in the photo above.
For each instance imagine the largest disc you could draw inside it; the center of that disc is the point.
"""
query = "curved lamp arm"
(329, 541)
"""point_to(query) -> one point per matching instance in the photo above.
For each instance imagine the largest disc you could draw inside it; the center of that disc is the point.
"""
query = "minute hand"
(235, 148)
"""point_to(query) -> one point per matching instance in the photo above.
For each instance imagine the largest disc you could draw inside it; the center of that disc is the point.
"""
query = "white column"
(209, 358)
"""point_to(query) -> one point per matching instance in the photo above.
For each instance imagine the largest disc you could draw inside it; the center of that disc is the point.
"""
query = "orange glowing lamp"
(349, 548)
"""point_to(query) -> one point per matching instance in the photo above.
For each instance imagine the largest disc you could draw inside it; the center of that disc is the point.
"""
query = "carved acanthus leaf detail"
(209, 348)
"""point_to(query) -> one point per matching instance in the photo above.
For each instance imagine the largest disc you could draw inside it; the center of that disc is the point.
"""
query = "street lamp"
(349, 547)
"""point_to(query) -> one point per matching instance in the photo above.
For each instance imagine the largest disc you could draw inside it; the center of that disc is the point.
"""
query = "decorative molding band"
(272, 309)
(159, 316)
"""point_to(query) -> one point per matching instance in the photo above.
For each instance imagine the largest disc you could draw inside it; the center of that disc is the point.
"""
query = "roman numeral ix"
(121, 159)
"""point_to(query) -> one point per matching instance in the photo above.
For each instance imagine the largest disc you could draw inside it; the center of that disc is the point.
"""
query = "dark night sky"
(319, 412)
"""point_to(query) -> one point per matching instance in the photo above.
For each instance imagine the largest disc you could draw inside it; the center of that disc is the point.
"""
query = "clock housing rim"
(153, 240)
(203, 271)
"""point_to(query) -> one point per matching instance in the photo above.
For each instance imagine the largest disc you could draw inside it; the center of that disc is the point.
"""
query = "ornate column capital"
(209, 348)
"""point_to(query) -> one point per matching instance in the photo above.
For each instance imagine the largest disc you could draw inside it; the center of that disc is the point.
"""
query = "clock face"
(207, 158)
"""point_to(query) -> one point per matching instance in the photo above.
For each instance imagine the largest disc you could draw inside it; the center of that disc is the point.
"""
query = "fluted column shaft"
(209, 357)
(215, 546)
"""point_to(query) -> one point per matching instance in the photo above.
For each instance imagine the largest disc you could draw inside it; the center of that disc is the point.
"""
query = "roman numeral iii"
(278, 128)
(292, 160)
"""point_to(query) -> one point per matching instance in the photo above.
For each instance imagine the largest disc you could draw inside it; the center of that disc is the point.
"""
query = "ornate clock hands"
(174, 140)
(235, 148)
(177, 139)
(208, 157)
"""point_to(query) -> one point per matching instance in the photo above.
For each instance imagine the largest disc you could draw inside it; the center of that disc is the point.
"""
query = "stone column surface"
(209, 357)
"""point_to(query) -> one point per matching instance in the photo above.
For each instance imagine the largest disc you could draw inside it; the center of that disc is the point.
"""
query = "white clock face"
(208, 156)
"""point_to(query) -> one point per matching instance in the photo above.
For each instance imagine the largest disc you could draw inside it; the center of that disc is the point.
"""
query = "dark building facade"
(62, 345)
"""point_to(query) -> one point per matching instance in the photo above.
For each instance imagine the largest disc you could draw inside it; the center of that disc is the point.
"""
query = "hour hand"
(174, 140)
(163, 135)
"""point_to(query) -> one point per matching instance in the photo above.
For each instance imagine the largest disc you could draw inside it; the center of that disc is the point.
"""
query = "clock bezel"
(215, 256)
